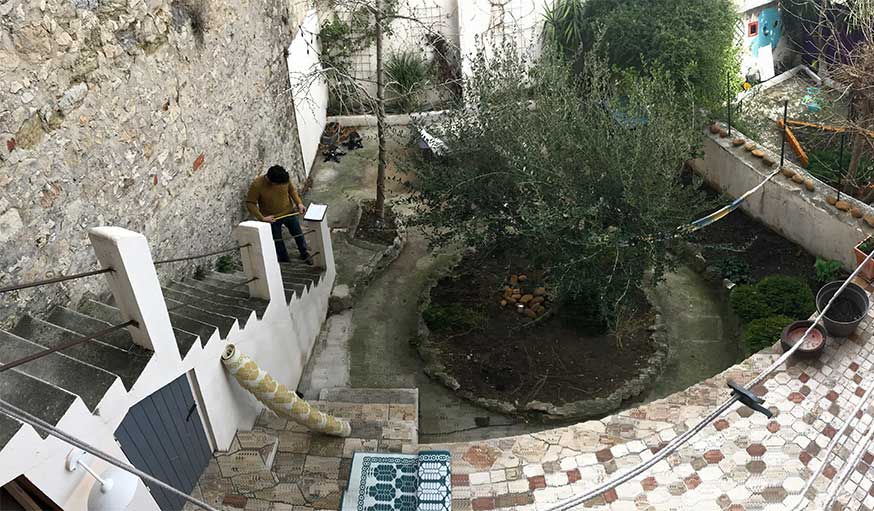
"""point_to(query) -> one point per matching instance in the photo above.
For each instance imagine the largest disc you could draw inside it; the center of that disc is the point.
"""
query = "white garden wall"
(308, 87)
(799, 215)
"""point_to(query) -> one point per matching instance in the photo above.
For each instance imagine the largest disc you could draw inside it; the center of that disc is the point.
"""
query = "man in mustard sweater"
(272, 198)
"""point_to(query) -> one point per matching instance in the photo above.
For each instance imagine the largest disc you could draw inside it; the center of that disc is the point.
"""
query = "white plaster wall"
(801, 216)
(308, 87)
(280, 342)
(479, 21)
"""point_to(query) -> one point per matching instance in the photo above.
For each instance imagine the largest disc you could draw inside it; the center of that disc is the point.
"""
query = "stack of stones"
(520, 295)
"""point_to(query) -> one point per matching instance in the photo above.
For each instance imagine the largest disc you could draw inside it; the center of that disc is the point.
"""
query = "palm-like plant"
(564, 25)
(408, 74)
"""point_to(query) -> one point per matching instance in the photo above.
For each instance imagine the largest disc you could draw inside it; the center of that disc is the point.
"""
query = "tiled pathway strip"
(743, 461)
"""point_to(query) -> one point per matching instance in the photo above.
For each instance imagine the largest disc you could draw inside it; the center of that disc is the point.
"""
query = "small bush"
(224, 264)
(583, 312)
(735, 269)
(764, 332)
(787, 296)
(453, 318)
(826, 270)
(748, 304)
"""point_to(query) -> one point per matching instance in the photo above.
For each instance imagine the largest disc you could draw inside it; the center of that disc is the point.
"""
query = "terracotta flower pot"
(868, 269)
(812, 345)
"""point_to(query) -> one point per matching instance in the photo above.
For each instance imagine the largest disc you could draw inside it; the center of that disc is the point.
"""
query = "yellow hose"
(278, 398)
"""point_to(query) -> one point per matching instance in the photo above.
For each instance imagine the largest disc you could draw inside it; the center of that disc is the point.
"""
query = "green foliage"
(764, 332)
(564, 25)
(690, 40)
(409, 74)
(735, 269)
(583, 313)
(867, 246)
(826, 270)
(545, 166)
(828, 166)
(453, 318)
(748, 304)
(225, 264)
(787, 296)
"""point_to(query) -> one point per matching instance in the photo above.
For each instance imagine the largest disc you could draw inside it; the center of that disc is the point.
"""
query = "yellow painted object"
(278, 398)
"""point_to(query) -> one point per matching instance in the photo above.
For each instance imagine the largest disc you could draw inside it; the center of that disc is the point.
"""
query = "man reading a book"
(272, 198)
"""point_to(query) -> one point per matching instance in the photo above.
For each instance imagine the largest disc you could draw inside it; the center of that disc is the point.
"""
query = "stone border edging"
(586, 408)
(383, 257)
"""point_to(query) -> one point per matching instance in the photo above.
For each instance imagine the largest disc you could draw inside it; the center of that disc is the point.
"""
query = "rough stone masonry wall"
(151, 115)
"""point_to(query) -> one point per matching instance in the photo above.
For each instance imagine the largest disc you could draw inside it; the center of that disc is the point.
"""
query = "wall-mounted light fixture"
(113, 490)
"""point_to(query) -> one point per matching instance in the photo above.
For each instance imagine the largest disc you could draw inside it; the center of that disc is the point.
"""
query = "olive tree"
(579, 172)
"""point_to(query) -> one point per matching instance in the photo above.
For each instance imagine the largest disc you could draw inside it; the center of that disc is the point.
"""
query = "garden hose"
(278, 398)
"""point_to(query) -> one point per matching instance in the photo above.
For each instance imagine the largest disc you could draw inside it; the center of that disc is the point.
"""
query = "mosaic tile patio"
(743, 461)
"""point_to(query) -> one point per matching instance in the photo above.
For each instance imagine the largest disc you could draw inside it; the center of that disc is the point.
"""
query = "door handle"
(190, 411)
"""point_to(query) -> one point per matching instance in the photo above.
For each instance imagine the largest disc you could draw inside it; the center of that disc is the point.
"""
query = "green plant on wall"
(826, 270)
(224, 264)
(408, 74)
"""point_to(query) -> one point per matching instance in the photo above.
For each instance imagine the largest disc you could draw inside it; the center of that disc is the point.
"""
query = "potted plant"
(848, 310)
(862, 250)
(812, 345)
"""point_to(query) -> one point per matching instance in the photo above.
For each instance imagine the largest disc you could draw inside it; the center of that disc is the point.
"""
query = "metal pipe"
(201, 256)
(16, 287)
(68, 344)
(783, 144)
(728, 101)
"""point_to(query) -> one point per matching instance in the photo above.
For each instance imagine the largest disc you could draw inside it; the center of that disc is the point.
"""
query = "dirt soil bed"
(765, 252)
(496, 353)
(373, 229)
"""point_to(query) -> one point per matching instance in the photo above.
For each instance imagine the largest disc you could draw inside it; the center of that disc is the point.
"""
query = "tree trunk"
(380, 115)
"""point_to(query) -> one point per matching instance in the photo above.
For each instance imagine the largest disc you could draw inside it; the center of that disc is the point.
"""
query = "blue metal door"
(163, 436)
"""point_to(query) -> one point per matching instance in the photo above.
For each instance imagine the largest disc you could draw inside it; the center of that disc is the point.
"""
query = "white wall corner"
(260, 261)
(135, 286)
(325, 249)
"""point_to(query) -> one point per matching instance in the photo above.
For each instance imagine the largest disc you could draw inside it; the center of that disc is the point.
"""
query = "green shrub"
(408, 74)
(735, 269)
(584, 313)
(764, 332)
(748, 304)
(826, 270)
(787, 296)
(453, 318)
(224, 264)
(827, 166)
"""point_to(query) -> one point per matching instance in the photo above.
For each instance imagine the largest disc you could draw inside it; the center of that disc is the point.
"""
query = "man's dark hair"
(277, 175)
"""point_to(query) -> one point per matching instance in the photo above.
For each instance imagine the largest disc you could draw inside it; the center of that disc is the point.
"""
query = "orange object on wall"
(793, 143)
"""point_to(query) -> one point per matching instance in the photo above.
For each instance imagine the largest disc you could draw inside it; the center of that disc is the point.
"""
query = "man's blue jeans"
(293, 225)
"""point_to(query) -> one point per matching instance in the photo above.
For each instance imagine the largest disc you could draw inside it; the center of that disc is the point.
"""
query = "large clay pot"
(848, 310)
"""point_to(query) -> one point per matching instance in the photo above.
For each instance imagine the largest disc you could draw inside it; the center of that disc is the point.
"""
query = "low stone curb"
(381, 259)
(586, 408)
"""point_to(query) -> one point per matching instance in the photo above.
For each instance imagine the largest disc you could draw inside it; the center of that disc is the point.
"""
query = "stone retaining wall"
(149, 115)
(798, 214)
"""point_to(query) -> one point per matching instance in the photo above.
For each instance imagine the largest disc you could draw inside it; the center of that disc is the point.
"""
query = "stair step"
(218, 286)
(8, 428)
(112, 315)
(88, 382)
(370, 396)
(84, 325)
(231, 278)
(247, 303)
(35, 397)
(126, 364)
(220, 321)
(299, 279)
(242, 315)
